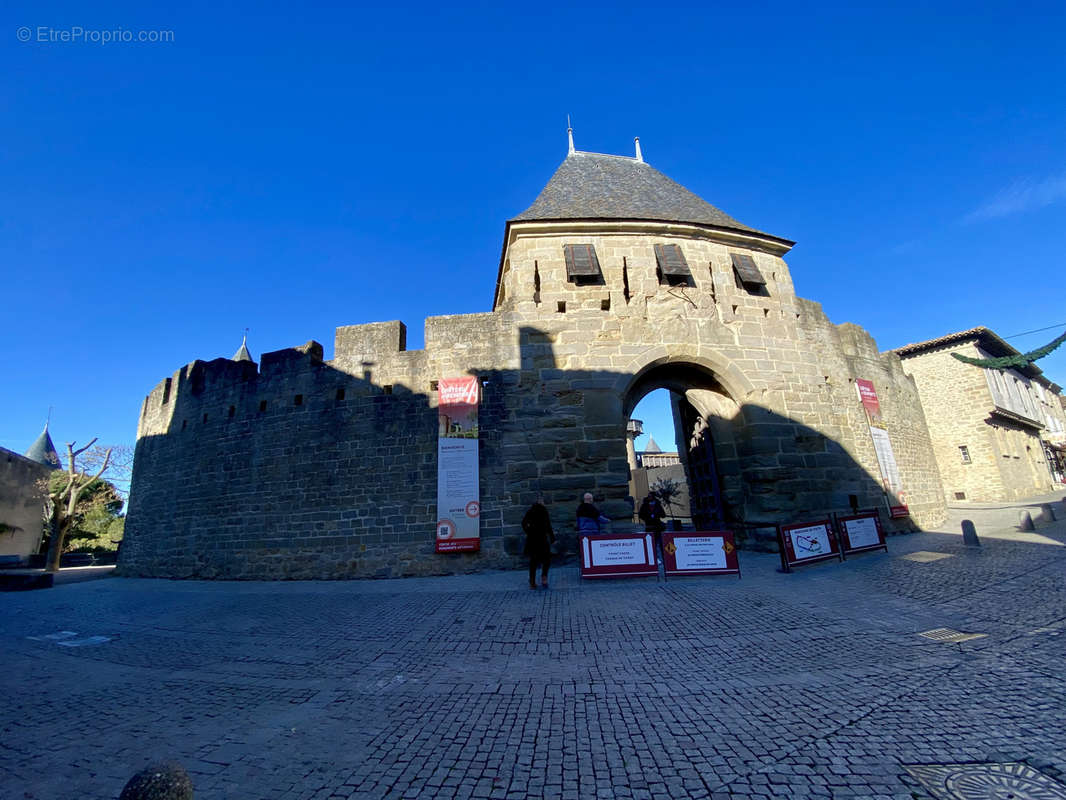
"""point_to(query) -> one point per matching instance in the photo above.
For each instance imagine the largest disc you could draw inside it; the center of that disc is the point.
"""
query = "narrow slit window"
(964, 453)
(582, 266)
(672, 268)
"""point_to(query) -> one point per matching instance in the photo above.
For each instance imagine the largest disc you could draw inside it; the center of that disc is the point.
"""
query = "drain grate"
(984, 781)
(925, 556)
(949, 635)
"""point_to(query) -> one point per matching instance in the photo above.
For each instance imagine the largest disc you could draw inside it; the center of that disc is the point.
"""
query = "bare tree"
(61, 502)
(668, 490)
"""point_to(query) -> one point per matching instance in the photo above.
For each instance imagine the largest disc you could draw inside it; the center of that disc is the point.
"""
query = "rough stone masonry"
(615, 282)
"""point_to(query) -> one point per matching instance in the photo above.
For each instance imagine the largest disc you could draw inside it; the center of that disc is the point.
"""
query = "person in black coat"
(652, 514)
(539, 537)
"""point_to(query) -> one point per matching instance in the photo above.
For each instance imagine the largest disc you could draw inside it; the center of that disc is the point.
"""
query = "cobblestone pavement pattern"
(814, 684)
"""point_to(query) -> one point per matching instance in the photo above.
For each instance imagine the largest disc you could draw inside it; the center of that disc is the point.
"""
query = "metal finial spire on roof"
(640, 157)
(569, 135)
(242, 353)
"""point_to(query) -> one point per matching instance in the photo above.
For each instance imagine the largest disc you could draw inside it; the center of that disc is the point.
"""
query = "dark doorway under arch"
(701, 412)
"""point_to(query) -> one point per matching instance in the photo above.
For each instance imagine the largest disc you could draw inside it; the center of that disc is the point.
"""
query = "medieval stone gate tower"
(615, 282)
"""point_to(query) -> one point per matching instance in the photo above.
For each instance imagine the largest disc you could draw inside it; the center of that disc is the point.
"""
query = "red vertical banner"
(458, 493)
(868, 397)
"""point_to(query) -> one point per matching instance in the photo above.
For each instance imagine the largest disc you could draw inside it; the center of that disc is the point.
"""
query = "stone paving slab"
(811, 684)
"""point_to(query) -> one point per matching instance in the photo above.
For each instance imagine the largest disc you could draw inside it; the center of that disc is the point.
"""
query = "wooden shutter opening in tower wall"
(581, 262)
(671, 260)
(747, 271)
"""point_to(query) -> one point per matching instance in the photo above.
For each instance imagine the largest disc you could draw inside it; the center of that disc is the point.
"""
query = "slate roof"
(989, 341)
(595, 186)
(242, 353)
(43, 451)
(652, 446)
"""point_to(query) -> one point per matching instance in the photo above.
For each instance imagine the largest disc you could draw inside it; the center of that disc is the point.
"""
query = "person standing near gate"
(652, 514)
(589, 518)
(539, 538)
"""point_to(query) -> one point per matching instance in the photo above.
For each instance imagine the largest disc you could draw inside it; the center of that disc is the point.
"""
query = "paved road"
(814, 684)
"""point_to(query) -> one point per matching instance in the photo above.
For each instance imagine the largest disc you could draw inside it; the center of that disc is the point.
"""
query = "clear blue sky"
(295, 168)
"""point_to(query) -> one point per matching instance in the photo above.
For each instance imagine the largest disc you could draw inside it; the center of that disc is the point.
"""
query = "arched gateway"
(616, 281)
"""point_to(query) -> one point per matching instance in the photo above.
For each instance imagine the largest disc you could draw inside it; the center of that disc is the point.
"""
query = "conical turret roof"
(43, 451)
(652, 446)
(242, 353)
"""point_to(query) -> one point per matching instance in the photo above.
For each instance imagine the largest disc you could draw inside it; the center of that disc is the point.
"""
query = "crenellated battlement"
(369, 359)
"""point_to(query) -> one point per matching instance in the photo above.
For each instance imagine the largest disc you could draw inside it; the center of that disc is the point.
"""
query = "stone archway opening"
(699, 455)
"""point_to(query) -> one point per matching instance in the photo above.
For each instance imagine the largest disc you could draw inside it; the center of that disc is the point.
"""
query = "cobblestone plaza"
(812, 684)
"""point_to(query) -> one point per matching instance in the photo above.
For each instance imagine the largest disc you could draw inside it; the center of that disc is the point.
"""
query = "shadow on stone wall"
(295, 469)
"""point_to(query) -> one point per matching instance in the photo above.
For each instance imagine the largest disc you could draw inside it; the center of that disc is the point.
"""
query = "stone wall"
(308, 468)
(21, 504)
(1006, 459)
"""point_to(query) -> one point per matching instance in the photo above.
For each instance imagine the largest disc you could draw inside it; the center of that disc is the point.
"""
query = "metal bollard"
(1047, 513)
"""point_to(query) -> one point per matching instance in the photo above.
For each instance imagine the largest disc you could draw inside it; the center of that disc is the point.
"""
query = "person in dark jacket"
(589, 518)
(539, 538)
(652, 514)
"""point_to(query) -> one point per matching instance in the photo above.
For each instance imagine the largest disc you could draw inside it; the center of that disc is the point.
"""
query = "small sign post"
(861, 532)
(618, 555)
(700, 553)
(806, 543)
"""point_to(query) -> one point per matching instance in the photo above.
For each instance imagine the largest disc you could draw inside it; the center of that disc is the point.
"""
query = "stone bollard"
(1025, 523)
(969, 534)
(165, 780)
(1047, 513)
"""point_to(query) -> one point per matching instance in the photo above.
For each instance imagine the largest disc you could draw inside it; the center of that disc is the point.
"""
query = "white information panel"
(616, 552)
(810, 542)
(862, 532)
(700, 552)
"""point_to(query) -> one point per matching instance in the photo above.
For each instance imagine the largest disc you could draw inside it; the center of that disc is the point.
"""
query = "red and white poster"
(617, 555)
(700, 553)
(806, 543)
(458, 495)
